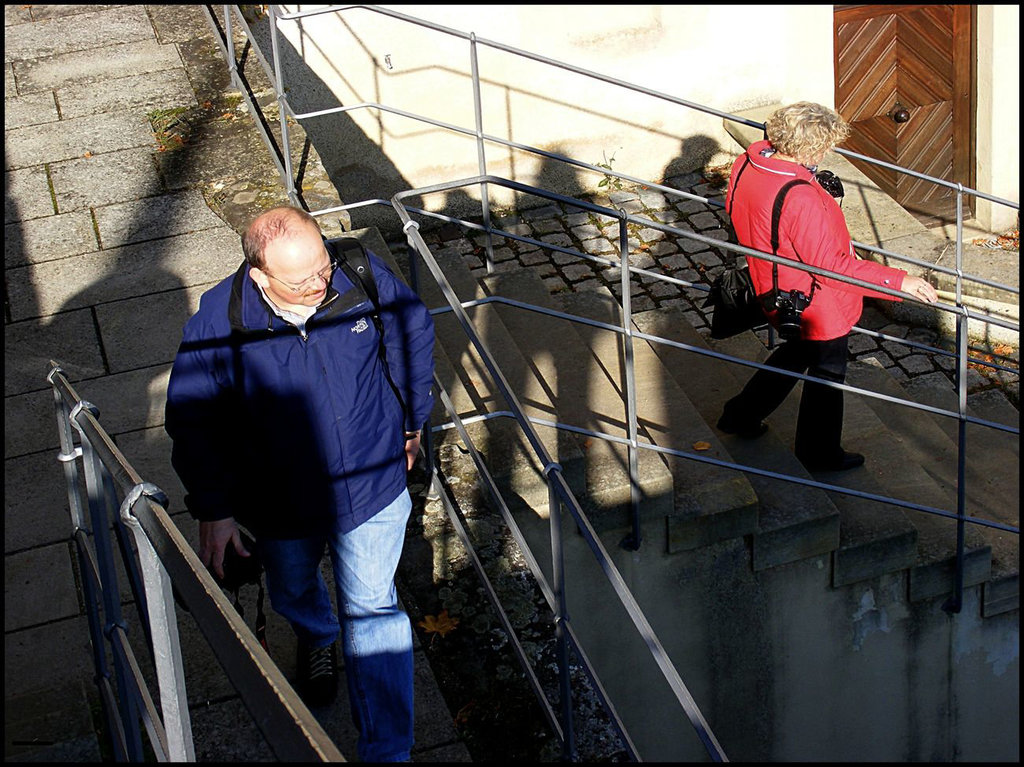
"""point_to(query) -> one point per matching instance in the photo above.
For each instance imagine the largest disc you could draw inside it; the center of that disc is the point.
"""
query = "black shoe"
(745, 431)
(844, 462)
(317, 674)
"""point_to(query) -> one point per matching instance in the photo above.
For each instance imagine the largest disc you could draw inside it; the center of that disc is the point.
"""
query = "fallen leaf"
(87, 154)
(440, 624)
(701, 445)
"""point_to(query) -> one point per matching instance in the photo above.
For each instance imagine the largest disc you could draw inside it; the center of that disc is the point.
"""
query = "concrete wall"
(728, 58)
(786, 668)
(715, 56)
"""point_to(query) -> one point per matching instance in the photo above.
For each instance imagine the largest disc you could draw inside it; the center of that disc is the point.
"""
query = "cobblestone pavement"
(695, 262)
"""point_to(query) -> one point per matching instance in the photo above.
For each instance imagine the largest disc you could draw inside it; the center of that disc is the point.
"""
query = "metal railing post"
(561, 616)
(955, 603)
(481, 152)
(163, 625)
(101, 508)
(282, 107)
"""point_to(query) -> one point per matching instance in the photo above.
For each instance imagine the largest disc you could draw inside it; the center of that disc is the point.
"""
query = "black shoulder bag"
(736, 305)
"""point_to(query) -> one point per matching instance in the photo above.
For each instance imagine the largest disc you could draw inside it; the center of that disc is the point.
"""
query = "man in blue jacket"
(288, 419)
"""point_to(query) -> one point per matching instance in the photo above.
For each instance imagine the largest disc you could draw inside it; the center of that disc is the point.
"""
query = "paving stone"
(705, 220)
(52, 37)
(663, 248)
(144, 331)
(154, 217)
(27, 195)
(28, 574)
(860, 343)
(33, 109)
(555, 284)
(68, 338)
(586, 231)
(533, 257)
(687, 207)
(706, 258)
(690, 245)
(547, 226)
(536, 214)
(44, 657)
(653, 199)
(597, 246)
(145, 57)
(49, 238)
(69, 139)
(577, 272)
(137, 93)
(916, 364)
(110, 275)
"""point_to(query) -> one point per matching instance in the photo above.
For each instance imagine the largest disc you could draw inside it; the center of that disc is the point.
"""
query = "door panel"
(903, 83)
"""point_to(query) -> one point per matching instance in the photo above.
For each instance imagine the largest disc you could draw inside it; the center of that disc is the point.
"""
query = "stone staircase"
(727, 542)
(571, 373)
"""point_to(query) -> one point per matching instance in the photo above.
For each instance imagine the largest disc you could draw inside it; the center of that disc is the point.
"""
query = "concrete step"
(897, 473)
(586, 392)
(710, 503)
(795, 521)
(510, 457)
(992, 465)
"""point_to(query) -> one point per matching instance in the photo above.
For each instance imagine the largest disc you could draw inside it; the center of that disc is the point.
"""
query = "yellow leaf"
(439, 624)
(701, 445)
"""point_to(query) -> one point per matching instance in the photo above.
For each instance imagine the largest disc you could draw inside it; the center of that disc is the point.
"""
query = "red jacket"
(811, 225)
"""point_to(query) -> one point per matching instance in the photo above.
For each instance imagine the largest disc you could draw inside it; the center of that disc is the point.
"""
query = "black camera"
(830, 182)
(790, 305)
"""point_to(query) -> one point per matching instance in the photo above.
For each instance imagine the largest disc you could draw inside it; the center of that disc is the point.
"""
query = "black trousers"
(819, 426)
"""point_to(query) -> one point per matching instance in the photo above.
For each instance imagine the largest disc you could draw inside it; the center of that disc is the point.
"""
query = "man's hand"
(412, 448)
(214, 538)
(920, 289)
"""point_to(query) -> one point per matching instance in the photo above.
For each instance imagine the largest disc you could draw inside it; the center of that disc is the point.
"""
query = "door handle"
(899, 113)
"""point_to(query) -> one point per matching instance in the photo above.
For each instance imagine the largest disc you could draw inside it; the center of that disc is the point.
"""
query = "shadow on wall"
(360, 170)
(355, 165)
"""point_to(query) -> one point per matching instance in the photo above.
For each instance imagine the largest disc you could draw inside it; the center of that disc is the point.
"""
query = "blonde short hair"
(277, 222)
(805, 130)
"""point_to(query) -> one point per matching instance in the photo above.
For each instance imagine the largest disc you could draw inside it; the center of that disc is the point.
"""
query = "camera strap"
(780, 199)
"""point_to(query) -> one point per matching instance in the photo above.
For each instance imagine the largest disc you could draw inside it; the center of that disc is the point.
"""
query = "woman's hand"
(920, 289)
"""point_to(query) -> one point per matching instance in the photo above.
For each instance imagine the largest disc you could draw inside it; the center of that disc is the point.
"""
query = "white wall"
(998, 113)
(728, 58)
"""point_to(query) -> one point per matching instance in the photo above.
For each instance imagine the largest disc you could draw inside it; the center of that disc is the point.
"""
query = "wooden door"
(903, 82)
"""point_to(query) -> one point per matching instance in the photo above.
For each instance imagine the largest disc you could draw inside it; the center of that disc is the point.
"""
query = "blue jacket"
(292, 435)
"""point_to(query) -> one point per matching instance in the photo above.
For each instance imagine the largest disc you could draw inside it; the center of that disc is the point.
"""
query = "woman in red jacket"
(811, 229)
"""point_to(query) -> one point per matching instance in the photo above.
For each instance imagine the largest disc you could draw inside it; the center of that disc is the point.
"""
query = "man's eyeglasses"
(310, 283)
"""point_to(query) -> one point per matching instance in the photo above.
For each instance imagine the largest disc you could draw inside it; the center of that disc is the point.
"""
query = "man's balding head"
(285, 221)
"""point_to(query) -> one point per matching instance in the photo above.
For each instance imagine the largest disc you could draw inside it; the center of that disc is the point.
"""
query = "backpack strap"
(354, 261)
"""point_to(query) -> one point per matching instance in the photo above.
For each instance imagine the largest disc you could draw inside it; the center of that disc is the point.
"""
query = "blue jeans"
(376, 635)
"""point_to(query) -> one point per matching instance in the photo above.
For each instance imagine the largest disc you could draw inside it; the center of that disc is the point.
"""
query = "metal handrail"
(561, 494)
(117, 494)
(963, 313)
